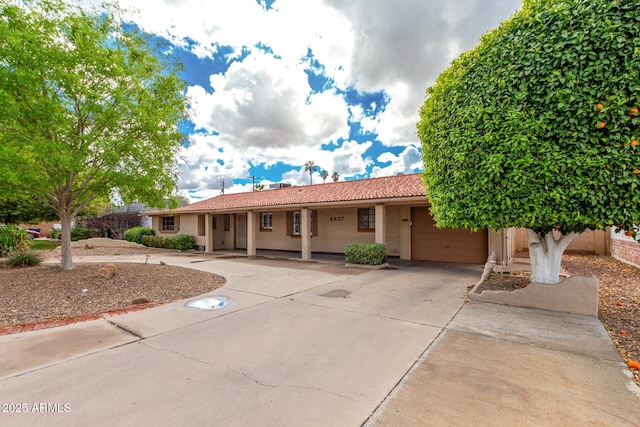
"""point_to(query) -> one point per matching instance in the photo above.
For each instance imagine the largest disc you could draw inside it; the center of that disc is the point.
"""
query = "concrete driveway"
(293, 347)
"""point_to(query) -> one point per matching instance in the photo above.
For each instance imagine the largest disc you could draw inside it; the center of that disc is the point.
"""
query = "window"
(266, 221)
(169, 223)
(227, 222)
(297, 223)
(367, 219)
(294, 223)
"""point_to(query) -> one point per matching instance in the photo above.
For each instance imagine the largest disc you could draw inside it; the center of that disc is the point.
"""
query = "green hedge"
(365, 253)
(180, 242)
(154, 241)
(135, 234)
(77, 233)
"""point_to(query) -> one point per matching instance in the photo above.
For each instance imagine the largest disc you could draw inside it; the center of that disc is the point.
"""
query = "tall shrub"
(13, 239)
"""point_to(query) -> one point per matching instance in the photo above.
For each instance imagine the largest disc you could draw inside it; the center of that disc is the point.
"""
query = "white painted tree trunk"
(66, 261)
(546, 254)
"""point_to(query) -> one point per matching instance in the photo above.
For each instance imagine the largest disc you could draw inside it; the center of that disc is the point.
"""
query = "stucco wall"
(594, 242)
(337, 227)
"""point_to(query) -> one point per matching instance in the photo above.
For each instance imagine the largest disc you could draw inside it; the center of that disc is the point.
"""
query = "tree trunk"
(546, 254)
(66, 261)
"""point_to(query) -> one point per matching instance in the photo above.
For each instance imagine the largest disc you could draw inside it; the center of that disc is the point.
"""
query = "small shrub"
(135, 234)
(365, 253)
(78, 233)
(23, 259)
(56, 233)
(12, 239)
(182, 242)
(154, 241)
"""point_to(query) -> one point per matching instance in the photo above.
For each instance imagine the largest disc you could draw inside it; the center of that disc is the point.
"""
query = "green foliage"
(23, 259)
(135, 234)
(77, 233)
(87, 109)
(12, 239)
(510, 131)
(25, 209)
(154, 241)
(180, 242)
(365, 253)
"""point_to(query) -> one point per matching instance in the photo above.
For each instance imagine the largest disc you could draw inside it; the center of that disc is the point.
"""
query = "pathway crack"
(244, 374)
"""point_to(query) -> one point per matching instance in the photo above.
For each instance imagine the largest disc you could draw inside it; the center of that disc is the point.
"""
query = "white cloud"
(407, 161)
(263, 107)
(262, 102)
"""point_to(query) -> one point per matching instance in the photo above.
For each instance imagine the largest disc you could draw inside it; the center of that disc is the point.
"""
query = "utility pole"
(222, 190)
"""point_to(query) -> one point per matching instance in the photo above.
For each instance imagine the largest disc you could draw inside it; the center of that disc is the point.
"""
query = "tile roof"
(390, 187)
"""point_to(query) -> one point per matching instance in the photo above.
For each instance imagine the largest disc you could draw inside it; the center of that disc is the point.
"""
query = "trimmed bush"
(154, 241)
(181, 242)
(135, 234)
(77, 233)
(365, 253)
(13, 239)
(23, 259)
(56, 233)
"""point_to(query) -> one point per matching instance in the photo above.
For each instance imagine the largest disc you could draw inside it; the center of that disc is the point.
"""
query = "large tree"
(88, 108)
(537, 127)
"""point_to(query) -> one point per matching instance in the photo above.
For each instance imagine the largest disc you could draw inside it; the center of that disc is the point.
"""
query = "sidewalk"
(505, 366)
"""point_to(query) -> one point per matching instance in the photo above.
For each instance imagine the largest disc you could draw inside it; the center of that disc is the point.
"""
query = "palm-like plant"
(311, 167)
(335, 176)
(324, 175)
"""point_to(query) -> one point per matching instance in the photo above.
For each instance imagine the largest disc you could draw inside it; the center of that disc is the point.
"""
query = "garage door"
(429, 243)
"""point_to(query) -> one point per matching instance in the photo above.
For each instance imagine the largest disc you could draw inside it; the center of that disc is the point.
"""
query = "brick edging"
(46, 324)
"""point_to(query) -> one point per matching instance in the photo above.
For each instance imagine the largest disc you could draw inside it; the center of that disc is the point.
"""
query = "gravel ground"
(45, 292)
(618, 297)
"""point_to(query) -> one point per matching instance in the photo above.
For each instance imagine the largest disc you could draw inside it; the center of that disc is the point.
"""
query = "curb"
(53, 323)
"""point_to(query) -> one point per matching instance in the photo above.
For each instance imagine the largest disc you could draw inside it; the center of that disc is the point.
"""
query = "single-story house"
(325, 218)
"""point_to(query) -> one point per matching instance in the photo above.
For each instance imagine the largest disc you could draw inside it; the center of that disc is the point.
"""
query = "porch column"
(305, 231)
(208, 233)
(252, 233)
(381, 232)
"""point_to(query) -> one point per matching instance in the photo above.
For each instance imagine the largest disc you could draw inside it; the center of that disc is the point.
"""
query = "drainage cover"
(337, 293)
(208, 303)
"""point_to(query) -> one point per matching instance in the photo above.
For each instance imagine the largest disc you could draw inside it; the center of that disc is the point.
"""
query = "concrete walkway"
(299, 347)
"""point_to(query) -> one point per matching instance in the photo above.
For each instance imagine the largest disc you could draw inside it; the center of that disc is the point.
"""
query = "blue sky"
(276, 83)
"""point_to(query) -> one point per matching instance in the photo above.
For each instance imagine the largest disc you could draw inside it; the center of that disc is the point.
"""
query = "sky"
(273, 84)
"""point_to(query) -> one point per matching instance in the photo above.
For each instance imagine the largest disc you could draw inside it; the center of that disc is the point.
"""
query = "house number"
(337, 218)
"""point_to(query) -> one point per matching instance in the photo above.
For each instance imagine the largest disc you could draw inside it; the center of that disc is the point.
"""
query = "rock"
(163, 263)
(140, 300)
(88, 246)
(107, 271)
